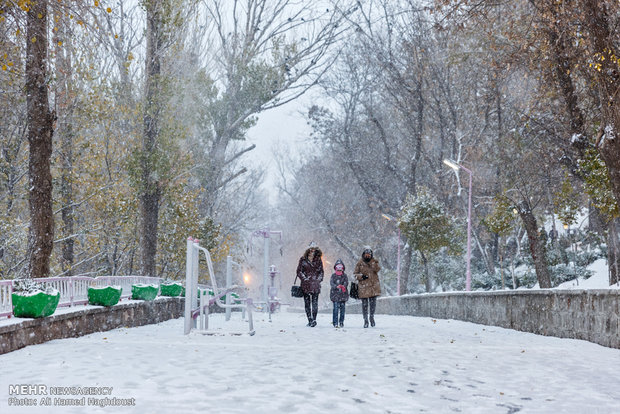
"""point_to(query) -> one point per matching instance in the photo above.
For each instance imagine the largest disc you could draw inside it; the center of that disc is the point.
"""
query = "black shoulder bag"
(353, 291)
(296, 291)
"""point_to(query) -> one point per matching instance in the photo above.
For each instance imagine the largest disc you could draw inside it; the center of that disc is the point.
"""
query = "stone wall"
(86, 321)
(591, 315)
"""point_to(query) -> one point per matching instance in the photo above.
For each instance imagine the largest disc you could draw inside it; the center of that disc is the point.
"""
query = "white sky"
(280, 127)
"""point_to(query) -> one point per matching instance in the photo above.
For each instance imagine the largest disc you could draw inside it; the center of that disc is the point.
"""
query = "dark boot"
(365, 323)
(373, 305)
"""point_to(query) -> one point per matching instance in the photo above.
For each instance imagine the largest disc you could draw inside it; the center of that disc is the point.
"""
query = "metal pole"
(468, 277)
(188, 282)
(228, 284)
(398, 265)
(266, 267)
(195, 272)
(456, 167)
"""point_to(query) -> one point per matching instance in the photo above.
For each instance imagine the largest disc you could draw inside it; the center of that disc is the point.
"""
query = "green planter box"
(104, 296)
(210, 293)
(234, 298)
(144, 292)
(171, 289)
(38, 305)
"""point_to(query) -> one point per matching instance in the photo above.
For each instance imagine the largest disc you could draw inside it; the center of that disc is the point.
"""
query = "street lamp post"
(390, 218)
(266, 234)
(456, 167)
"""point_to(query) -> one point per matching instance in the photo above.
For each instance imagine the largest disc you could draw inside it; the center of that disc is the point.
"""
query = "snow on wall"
(86, 321)
(591, 315)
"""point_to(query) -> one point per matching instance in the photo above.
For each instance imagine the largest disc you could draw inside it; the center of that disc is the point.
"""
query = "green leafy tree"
(429, 229)
(566, 203)
(597, 184)
(501, 221)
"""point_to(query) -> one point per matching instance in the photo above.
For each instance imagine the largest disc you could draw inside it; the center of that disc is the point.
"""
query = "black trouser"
(373, 305)
(311, 313)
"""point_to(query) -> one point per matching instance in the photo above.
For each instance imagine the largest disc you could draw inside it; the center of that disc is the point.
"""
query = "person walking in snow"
(338, 293)
(367, 273)
(310, 272)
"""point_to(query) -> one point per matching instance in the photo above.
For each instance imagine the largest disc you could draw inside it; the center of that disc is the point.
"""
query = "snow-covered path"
(404, 365)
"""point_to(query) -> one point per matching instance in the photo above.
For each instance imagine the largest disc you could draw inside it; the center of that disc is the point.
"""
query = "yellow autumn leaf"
(109, 10)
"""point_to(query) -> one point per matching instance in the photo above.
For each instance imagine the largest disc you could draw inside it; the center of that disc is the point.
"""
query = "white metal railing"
(6, 305)
(73, 289)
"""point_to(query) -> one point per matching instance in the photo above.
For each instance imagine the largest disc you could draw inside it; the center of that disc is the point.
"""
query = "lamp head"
(451, 164)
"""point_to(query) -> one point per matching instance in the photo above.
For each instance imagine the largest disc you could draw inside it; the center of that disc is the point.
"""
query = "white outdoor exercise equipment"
(197, 309)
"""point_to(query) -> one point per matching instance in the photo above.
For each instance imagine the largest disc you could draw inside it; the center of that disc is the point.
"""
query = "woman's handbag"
(353, 292)
(296, 291)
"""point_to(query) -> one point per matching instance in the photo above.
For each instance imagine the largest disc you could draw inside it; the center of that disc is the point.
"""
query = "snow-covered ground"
(404, 365)
(598, 280)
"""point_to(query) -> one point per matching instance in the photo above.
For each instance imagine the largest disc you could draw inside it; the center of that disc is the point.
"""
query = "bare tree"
(264, 54)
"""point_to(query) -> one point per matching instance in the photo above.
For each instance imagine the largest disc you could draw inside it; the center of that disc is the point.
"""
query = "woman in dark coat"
(367, 273)
(310, 272)
(338, 293)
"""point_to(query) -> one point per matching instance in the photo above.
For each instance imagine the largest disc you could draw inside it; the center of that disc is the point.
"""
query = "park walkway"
(404, 365)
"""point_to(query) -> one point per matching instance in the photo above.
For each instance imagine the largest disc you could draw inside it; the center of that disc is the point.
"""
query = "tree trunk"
(64, 104)
(405, 266)
(151, 190)
(537, 246)
(40, 132)
(427, 278)
(405, 269)
(613, 252)
(607, 78)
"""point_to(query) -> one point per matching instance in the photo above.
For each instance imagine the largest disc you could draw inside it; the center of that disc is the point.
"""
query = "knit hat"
(339, 265)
